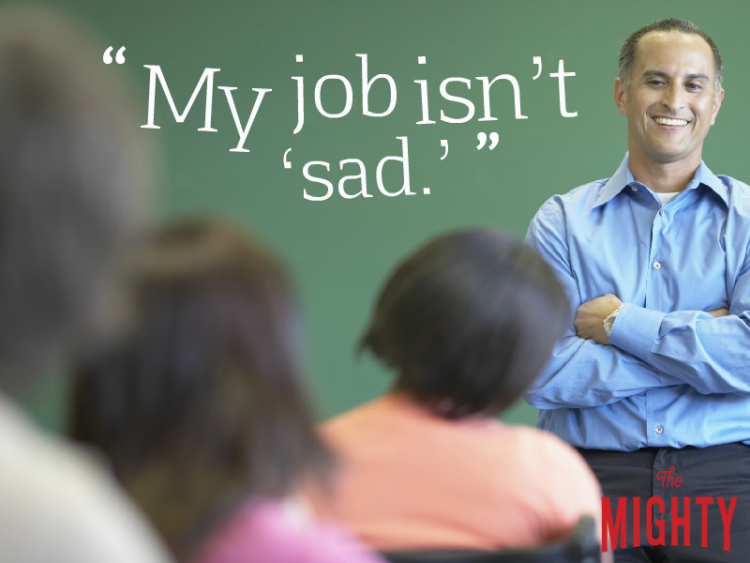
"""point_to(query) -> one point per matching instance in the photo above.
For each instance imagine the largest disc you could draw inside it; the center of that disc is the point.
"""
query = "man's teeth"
(665, 121)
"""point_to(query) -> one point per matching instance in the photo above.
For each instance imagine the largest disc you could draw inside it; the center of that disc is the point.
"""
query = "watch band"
(609, 322)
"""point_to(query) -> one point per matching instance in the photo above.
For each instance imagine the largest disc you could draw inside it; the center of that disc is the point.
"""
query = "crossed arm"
(710, 351)
(589, 320)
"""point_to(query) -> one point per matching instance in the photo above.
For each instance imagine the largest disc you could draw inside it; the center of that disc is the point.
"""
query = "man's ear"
(621, 95)
(718, 97)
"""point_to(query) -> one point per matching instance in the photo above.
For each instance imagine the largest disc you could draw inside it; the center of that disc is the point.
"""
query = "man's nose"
(673, 97)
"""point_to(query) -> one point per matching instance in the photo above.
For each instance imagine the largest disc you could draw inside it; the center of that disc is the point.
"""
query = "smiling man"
(654, 374)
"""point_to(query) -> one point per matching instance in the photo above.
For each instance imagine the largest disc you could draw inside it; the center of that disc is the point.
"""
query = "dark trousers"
(718, 472)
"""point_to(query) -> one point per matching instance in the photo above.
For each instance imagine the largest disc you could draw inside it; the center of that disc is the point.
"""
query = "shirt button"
(659, 429)
(661, 212)
(634, 188)
(657, 266)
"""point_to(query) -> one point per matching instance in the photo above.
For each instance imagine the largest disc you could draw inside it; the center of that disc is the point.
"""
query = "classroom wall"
(340, 250)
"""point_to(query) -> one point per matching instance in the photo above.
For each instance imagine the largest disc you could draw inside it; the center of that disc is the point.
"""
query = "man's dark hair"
(203, 402)
(69, 176)
(468, 322)
(629, 48)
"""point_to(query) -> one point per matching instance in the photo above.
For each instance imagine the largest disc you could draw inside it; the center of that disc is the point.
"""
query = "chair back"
(582, 546)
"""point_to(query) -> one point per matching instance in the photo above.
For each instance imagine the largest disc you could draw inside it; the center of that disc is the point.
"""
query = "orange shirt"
(411, 480)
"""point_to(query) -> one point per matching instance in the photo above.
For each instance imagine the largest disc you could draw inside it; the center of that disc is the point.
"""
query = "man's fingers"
(579, 326)
(719, 313)
(583, 332)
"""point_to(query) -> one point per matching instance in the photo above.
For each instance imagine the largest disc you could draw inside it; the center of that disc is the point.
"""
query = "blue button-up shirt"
(673, 375)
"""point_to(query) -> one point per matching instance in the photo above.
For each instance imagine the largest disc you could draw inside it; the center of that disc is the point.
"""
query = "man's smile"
(671, 122)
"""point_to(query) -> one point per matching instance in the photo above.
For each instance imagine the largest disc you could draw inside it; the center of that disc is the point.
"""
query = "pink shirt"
(411, 480)
(272, 531)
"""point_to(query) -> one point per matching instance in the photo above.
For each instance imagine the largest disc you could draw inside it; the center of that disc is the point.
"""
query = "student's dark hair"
(204, 402)
(69, 177)
(630, 47)
(468, 321)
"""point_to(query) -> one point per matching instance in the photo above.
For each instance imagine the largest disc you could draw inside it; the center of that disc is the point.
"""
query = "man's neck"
(664, 177)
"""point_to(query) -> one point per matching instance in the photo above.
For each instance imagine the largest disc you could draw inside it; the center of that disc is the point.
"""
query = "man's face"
(671, 99)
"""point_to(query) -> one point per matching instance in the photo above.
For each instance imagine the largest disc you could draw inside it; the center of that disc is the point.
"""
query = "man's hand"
(719, 313)
(589, 322)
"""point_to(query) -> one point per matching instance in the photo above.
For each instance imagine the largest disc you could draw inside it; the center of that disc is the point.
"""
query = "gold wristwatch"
(610, 320)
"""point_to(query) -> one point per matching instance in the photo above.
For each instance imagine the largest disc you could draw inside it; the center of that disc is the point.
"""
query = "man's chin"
(669, 154)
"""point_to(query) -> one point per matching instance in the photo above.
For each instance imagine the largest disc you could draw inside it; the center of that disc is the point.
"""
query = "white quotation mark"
(494, 139)
(119, 57)
(538, 63)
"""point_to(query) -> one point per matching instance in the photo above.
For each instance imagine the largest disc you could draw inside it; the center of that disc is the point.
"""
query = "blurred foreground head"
(69, 180)
(202, 404)
(468, 321)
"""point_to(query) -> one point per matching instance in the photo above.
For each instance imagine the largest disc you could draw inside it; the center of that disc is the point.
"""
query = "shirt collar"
(623, 178)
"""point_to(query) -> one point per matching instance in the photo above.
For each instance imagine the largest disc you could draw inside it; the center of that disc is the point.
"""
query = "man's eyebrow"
(661, 74)
(652, 73)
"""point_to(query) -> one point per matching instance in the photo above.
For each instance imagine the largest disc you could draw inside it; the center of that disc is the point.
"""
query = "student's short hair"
(203, 402)
(70, 175)
(468, 321)
(630, 46)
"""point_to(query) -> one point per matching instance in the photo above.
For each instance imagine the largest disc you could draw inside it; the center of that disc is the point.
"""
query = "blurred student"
(68, 182)
(466, 323)
(202, 406)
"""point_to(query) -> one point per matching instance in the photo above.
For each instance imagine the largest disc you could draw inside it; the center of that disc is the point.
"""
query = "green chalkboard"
(339, 249)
